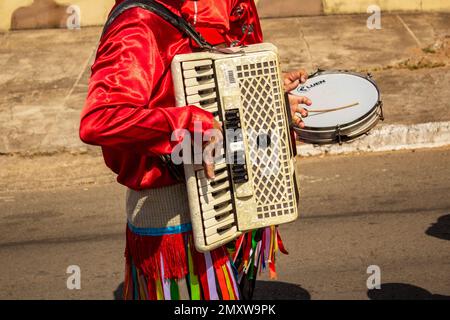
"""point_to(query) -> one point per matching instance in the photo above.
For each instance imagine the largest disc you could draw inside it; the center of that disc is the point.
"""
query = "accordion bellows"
(255, 185)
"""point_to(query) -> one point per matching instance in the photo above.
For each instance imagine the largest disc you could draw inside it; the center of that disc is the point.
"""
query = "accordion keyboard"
(216, 207)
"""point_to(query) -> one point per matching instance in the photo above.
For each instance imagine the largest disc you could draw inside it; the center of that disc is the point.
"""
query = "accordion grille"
(264, 116)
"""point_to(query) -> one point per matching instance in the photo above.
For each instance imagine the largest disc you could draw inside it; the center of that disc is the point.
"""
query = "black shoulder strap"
(164, 13)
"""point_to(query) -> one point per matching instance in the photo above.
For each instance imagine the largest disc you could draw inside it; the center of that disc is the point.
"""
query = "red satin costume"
(130, 112)
(130, 109)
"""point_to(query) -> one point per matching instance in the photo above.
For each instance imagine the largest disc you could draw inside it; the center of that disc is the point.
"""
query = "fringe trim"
(168, 267)
(147, 252)
(256, 250)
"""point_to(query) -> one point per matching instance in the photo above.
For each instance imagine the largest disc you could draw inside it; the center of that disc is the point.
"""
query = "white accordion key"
(224, 185)
(194, 74)
(209, 194)
(200, 97)
(211, 107)
(222, 235)
(219, 211)
(197, 64)
(218, 167)
(218, 219)
(226, 222)
(208, 202)
(208, 87)
(202, 182)
(195, 82)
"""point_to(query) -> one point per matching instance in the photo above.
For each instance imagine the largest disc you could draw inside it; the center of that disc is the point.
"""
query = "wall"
(25, 14)
(286, 8)
(346, 6)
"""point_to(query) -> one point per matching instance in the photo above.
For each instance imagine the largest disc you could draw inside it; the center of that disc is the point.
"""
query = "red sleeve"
(118, 111)
(244, 22)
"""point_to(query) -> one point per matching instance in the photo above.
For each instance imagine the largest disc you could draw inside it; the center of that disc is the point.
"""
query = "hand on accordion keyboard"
(209, 148)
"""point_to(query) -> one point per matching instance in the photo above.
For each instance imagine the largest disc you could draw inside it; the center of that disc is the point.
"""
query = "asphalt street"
(391, 210)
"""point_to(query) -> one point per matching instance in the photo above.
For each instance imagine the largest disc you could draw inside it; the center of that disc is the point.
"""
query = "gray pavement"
(45, 72)
(358, 211)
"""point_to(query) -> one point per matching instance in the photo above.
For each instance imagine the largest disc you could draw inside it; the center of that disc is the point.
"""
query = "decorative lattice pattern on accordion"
(271, 174)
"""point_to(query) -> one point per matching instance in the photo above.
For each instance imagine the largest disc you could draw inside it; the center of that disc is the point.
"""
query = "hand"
(215, 141)
(293, 79)
(295, 102)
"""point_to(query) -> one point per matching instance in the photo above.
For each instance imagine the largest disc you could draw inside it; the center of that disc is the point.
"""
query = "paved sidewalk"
(45, 72)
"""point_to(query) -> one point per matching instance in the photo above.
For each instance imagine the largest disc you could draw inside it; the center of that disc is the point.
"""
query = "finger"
(296, 119)
(296, 108)
(304, 76)
(294, 75)
(288, 77)
(217, 125)
(294, 100)
(302, 100)
(290, 85)
(302, 111)
(208, 159)
(298, 122)
(300, 74)
(209, 170)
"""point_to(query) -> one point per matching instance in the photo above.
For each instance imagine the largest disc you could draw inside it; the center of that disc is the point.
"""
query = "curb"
(387, 138)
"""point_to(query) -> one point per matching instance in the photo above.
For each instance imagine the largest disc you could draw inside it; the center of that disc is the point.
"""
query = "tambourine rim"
(366, 77)
(346, 126)
(374, 119)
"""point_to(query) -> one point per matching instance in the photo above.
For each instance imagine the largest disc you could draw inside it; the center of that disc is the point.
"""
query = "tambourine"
(345, 105)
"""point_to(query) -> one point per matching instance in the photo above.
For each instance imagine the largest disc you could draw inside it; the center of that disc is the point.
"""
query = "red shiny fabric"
(130, 108)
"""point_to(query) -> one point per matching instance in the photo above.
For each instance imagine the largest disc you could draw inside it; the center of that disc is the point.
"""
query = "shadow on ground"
(118, 293)
(402, 291)
(274, 290)
(440, 229)
(265, 290)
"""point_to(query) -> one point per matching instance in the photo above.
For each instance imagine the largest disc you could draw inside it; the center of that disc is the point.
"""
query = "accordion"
(257, 188)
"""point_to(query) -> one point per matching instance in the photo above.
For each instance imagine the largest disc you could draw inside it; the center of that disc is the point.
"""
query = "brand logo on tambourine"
(306, 88)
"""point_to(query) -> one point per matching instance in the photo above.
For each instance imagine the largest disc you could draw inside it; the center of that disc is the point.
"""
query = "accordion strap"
(157, 8)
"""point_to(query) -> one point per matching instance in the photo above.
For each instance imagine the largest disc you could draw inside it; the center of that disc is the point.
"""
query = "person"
(130, 112)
